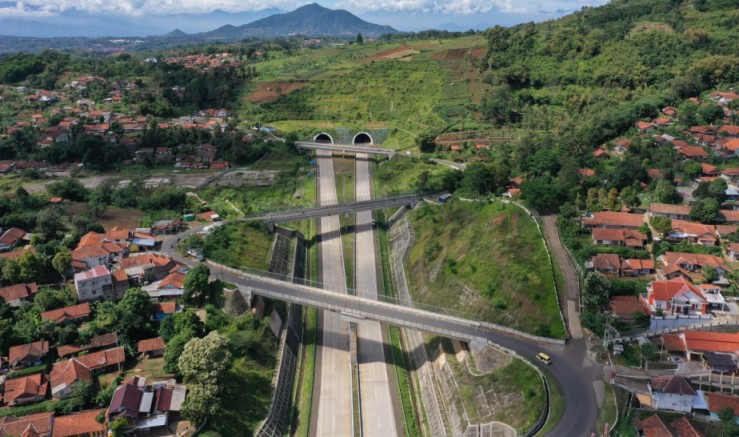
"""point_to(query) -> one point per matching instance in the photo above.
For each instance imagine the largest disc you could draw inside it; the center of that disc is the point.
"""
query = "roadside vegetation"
(486, 260)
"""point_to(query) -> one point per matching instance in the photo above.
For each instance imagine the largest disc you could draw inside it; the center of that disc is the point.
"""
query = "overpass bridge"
(358, 308)
(345, 148)
(340, 208)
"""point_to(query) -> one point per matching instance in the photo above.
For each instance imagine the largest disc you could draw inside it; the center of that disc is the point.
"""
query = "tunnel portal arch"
(323, 137)
(362, 138)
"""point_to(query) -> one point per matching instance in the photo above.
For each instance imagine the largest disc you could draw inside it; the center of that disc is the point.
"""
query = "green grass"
(27, 371)
(487, 260)
(401, 175)
(405, 389)
(609, 412)
(304, 386)
(240, 245)
(344, 176)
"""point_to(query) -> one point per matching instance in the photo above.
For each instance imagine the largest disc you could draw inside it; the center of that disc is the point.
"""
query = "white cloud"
(454, 7)
(148, 7)
(20, 10)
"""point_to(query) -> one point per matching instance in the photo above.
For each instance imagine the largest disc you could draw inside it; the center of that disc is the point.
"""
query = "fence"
(279, 411)
(659, 332)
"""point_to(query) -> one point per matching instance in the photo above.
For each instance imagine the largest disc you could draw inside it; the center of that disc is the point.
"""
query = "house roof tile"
(28, 351)
(33, 385)
(609, 218)
(15, 426)
(718, 401)
(672, 384)
(151, 345)
(82, 423)
(65, 314)
(665, 208)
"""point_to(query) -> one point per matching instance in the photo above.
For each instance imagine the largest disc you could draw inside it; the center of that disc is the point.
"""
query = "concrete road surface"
(334, 397)
(378, 418)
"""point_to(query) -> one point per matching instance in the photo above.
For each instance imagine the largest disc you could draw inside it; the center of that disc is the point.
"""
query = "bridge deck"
(347, 148)
(335, 209)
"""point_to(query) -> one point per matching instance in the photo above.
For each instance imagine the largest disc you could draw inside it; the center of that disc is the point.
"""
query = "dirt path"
(572, 283)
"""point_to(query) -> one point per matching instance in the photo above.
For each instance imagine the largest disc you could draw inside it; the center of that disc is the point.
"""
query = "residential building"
(16, 294)
(675, 212)
(36, 425)
(94, 284)
(720, 401)
(26, 355)
(606, 263)
(96, 343)
(147, 267)
(25, 390)
(734, 251)
(162, 310)
(104, 361)
(695, 233)
(637, 267)
(11, 238)
(684, 264)
(82, 424)
(171, 287)
(654, 426)
(619, 237)
(65, 375)
(614, 220)
(152, 347)
(74, 313)
(146, 406)
(625, 307)
(672, 393)
(676, 296)
(165, 227)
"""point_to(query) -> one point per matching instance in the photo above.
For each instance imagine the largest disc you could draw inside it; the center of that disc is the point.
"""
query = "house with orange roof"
(692, 152)
(15, 295)
(606, 263)
(644, 126)
(624, 307)
(25, 390)
(673, 393)
(11, 238)
(39, 424)
(104, 361)
(65, 375)
(720, 401)
(96, 343)
(688, 263)
(162, 310)
(82, 424)
(586, 172)
(673, 297)
(637, 267)
(171, 287)
(674, 212)
(28, 354)
(152, 347)
(729, 130)
(619, 237)
(652, 426)
(613, 220)
(74, 313)
(709, 170)
(692, 232)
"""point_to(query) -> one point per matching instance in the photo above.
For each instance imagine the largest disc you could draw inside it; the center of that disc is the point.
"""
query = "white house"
(672, 393)
(94, 284)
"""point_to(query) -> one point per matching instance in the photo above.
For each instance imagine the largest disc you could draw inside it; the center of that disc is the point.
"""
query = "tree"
(711, 113)
(197, 284)
(172, 354)
(705, 210)
(630, 196)
(80, 398)
(649, 351)
(692, 168)
(661, 224)
(30, 267)
(203, 364)
(591, 202)
(709, 274)
(603, 198)
(180, 323)
(359, 40)
(726, 416)
(425, 142)
(133, 315)
(596, 291)
(62, 262)
(11, 271)
(612, 198)
(49, 222)
(665, 192)
(717, 189)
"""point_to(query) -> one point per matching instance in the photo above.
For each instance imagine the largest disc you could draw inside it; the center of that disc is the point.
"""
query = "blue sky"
(401, 14)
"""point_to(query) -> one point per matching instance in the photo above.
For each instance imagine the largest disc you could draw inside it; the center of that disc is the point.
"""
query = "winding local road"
(378, 418)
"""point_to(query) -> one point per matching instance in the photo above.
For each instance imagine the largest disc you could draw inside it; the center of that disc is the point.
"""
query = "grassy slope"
(490, 261)
(241, 245)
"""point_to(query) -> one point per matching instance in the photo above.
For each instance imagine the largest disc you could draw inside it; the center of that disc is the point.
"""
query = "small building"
(26, 426)
(613, 220)
(619, 237)
(25, 390)
(720, 401)
(152, 347)
(672, 393)
(28, 354)
(674, 212)
(74, 313)
(672, 297)
(82, 424)
(606, 263)
(65, 375)
(166, 227)
(162, 310)
(15, 295)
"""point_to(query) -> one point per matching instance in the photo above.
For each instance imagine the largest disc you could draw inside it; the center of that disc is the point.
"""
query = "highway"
(375, 384)
(333, 372)
(344, 148)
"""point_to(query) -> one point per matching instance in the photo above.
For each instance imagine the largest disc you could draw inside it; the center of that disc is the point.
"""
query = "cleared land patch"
(270, 91)
(484, 259)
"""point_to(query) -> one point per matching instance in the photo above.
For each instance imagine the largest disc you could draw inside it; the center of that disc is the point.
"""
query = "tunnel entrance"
(323, 137)
(362, 138)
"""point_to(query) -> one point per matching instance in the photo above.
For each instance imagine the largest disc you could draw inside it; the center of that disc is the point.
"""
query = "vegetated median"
(485, 259)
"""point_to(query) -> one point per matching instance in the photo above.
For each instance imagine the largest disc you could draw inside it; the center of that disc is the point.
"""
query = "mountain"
(309, 20)
(177, 33)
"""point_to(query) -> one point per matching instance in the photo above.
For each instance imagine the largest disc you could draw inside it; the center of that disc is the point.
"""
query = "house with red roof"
(625, 307)
(709, 170)
(654, 426)
(25, 390)
(684, 264)
(11, 238)
(171, 287)
(729, 130)
(637, 267)
(673, 393)
(74, 313)
(673, 297)
(586, 172)
(692, 152)
(96, 343)
(644, 126)
(146, 405)
(606, 263)
(16, 294)
(82, 424)
(28, 354)
(692, 232)
(619, 237)
(613, 220)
